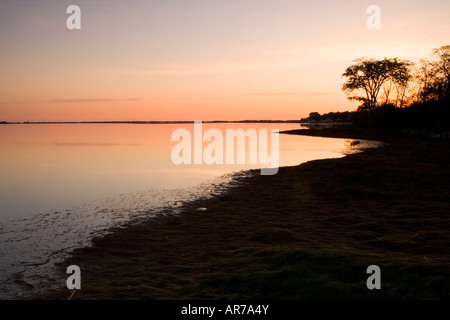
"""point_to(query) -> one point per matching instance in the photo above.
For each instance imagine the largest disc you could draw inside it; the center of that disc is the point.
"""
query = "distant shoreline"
(150, 122)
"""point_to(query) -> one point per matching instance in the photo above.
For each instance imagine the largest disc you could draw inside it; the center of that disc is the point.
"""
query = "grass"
(294, 274)
(309, 232)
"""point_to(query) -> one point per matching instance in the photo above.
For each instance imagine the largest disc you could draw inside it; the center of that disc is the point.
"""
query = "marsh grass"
(309, 232)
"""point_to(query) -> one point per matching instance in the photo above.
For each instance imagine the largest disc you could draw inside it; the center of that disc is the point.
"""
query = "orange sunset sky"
(198, 59)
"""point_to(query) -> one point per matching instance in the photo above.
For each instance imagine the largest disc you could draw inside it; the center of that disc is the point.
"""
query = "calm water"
(61, 185)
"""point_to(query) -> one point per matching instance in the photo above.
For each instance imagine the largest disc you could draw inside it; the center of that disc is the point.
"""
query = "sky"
(199, 59)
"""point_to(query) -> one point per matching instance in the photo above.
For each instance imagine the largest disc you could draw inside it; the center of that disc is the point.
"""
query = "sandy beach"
(308, 232)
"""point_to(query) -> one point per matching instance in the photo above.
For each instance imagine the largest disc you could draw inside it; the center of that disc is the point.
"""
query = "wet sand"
(309, 232)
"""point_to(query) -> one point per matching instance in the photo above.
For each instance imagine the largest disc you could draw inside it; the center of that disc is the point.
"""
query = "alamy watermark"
(374, 20)
(374, 281)
(231, 149)
(74, 280)
(74, 20)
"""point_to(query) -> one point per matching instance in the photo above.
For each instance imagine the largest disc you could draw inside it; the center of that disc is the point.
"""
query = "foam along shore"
(308, 232)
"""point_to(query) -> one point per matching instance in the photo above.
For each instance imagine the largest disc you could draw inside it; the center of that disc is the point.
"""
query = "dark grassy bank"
(309, 232)
(426, 117)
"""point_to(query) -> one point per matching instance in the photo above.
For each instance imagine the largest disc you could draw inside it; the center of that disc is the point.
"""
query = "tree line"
(397, 94)
(397, 82)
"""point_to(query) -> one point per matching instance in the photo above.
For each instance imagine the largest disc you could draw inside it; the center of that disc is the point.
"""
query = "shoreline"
(148, 122)
(308, 232)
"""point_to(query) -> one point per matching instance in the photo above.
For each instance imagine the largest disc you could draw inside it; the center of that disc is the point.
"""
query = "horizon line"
(148, 122)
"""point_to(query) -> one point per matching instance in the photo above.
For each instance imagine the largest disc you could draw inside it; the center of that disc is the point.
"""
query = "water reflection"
(47, 167)
(62, 185)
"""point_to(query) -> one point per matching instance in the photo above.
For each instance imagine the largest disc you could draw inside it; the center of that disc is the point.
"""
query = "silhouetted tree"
(432, 79)
(396, 84)
(443, 66)
(314, 116)
(368, 76)
(427, 81)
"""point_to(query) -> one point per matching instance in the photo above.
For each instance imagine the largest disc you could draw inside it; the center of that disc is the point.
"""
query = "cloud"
(75, 100)
(320, 93)
(268, 94)
(89, 144)
(78, 100)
